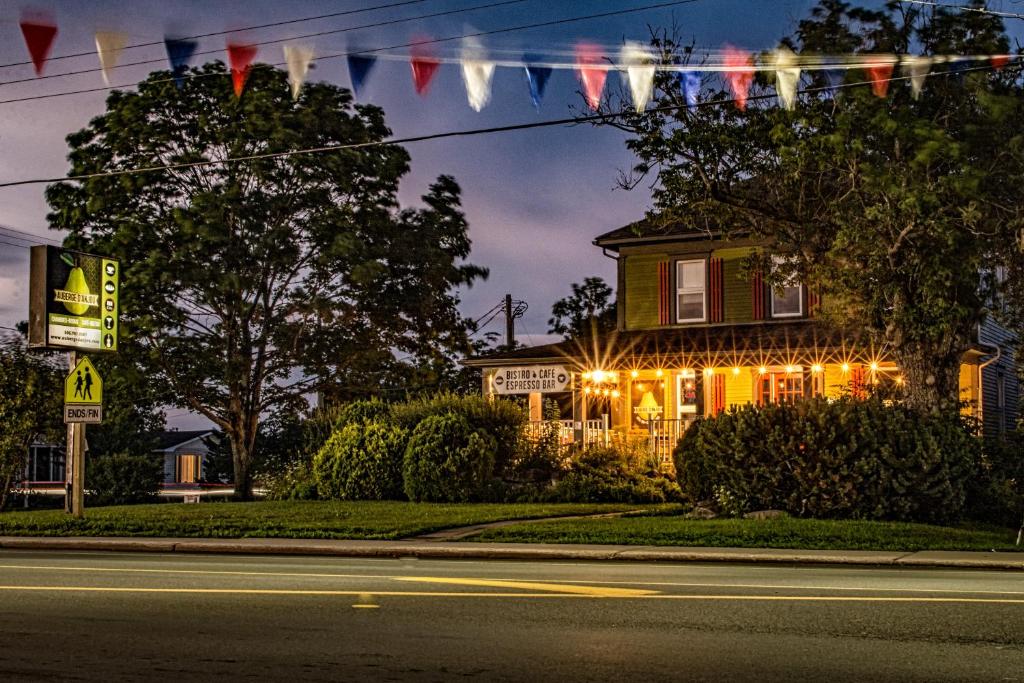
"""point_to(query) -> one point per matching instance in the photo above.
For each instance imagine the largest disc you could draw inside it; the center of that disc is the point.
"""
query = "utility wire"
(275, 41)
(964, 8)
(33, 236)
(592, 118)
(237, 30)
(337, 55)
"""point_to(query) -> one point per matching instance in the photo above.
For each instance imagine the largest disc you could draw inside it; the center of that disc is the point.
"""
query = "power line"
(318, 34)
(472, 132)
(237, 30)
(337, 55)
(33, 236)
(964, 8)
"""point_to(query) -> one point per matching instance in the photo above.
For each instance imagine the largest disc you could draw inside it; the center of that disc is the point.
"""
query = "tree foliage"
(589, 310)
(247, 285)
(893, 208)
(31, 398)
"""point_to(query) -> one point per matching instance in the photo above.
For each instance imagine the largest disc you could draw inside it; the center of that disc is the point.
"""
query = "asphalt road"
(118, 616)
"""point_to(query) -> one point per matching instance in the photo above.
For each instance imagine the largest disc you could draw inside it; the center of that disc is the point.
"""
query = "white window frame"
(692, 290)
(776, 260)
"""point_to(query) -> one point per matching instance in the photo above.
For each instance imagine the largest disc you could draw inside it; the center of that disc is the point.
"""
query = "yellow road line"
(578, 596)
(596, 591)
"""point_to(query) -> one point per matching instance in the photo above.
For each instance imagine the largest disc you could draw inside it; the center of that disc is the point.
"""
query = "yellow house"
(696, 334)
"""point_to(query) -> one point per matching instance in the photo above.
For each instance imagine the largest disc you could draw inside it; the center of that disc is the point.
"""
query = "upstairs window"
(691, 302)
(787, 300)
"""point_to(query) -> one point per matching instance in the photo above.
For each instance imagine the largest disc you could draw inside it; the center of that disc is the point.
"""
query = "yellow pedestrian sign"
(83, 394)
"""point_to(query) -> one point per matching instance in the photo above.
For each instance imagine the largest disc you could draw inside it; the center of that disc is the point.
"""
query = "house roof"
(755, 343)
(170, 440)
(659, 229)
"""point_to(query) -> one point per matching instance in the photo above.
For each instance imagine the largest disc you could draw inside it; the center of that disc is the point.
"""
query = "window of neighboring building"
(690, 291)
(787, 300)
(187, 469)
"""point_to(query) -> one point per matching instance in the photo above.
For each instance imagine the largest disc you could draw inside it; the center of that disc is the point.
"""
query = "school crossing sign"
(83, 394)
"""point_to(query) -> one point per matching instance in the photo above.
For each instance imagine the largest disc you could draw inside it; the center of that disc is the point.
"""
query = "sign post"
(74, 306)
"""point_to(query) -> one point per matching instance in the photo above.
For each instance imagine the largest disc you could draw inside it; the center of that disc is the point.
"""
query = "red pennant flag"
(240, 58)
(424, 66)
(880, 74)
(39, 35)
(739, 73)
(588, 57)
(1000, 61)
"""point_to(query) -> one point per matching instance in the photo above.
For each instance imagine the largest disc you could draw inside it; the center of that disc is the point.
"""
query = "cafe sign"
(530, 379)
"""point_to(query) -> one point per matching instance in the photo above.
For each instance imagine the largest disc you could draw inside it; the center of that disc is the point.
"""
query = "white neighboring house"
(184, 454)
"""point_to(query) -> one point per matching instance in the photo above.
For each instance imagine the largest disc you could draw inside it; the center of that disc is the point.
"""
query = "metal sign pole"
(74, 497)
(69, 450)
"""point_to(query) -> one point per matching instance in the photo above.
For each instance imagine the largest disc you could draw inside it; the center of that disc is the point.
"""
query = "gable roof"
(169, 440)
(658, 228)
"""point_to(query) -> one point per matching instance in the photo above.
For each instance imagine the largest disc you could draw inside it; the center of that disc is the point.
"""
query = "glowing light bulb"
(708, 372)
(605, 392)
(789, 369)
(735, 371)
(598, 375)
(586, 375)
(763, 370)
(846, 367)
(586, 390)
(634, 374)
(816, 368)
(899, 380)
(874, 366)
(659, 372)
(639, 387)
(615, 393)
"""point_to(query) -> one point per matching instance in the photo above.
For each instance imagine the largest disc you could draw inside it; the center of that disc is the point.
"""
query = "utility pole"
(510, 323)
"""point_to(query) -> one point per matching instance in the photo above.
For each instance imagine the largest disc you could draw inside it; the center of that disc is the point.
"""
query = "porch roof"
(757, 343)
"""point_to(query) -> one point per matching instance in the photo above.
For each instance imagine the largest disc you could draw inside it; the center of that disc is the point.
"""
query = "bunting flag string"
(39, 34)
(298, 58)
(537, 77)
(240, 58)
(424, 65)
(639, 61)
(880, 74)
(690, 82)
(477, 73)
(109, 46)
(179, 53)
(359, 68)
(787, 77)
(739, 72)
(592, 74)
(917, 68)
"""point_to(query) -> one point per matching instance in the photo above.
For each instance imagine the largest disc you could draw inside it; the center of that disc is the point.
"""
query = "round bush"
(447, 460)
(846, 458)
(361, 461)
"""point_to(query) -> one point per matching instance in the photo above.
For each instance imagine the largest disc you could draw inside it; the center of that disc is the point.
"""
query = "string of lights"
(339, 55)
(591, 118)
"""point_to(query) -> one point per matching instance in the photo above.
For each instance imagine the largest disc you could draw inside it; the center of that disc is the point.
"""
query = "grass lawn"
(745, 533)
(283, 519)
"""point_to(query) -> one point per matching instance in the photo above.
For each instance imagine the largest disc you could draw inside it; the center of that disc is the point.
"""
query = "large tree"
(894, 207)
(31, 396)
(248, 285)
(588, 311)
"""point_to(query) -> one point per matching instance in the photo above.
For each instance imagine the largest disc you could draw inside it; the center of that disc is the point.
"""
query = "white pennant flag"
(639, 63)
(787, 76)
(918, 68)
(297, 57)
(477, 73)
(109, 45)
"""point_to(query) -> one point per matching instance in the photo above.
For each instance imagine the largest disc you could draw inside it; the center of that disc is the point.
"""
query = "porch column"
(536, 407)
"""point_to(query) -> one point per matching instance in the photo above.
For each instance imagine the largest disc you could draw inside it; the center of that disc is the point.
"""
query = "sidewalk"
(517, 551)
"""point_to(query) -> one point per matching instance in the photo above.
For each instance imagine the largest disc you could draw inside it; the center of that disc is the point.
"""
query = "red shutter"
(717, 290)
(718, 394)
(663, 292)
(758, 292)
(813, 302)
(857, 382)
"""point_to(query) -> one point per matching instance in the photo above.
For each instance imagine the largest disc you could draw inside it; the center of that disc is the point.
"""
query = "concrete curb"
(518, 551)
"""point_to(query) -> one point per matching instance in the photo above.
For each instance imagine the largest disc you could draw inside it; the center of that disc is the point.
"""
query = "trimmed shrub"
(123, 479)
(847, 458)
(323, 423)
(447, 460)
(502, 420)
(362, 461)
(996, 491)
(608, 475)
(294, 483)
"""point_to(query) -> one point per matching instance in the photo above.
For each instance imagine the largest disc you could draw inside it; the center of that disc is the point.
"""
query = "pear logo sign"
(73, 300)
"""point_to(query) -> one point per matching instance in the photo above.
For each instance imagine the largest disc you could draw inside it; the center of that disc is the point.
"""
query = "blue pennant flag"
(179, 52)
(537, 78)
(359, 67)
(690, 82)
(833, 80)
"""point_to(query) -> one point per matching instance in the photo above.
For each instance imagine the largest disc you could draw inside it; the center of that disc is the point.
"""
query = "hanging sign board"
(530, 379)
(83, 394)
(73, 300)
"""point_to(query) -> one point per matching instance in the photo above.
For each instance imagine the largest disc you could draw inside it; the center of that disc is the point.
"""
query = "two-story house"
(696, 333)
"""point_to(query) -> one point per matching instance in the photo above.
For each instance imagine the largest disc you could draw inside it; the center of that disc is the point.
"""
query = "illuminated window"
(187, 469)
(780, 387)
(787, 300)
(690, 299)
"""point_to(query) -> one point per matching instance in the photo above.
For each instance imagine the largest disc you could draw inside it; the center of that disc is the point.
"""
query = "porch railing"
(592, 432)
(664, 435)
